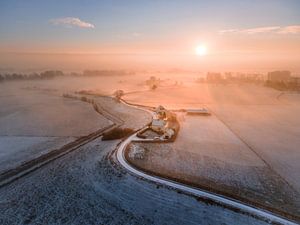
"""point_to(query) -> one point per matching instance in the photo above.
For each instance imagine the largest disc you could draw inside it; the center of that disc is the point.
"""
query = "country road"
(226, 202)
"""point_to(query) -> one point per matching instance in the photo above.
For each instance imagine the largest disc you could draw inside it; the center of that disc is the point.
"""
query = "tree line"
(49, 74)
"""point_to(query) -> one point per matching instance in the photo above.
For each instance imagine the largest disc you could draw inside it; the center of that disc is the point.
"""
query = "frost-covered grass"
(272, 131)
(208, 155)
(47, 115)
(17, 150)
(85, 188)
(133, 118)
(34, 122)
(247, 149)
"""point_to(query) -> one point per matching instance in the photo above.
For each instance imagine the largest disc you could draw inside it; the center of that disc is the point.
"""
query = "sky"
(74, 34)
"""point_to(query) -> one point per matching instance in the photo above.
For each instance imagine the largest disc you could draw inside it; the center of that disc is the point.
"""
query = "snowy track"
(228, 203)
(257, 213)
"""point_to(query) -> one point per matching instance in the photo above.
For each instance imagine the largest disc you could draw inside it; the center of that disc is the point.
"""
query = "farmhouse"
(164, 123)
(158, 125)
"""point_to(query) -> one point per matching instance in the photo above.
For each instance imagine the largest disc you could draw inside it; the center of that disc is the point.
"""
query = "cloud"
(290, 30)
(136, 34)
(229, 31)
(71, 22)
(128, 36)
(295, 29)
(259, 30)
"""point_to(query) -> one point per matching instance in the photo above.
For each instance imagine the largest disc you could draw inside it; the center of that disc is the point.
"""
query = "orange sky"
(252, 35)
(224, 52)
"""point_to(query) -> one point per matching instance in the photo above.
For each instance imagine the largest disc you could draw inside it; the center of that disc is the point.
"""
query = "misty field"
(35, 118)
(248, 149)
(34, 121)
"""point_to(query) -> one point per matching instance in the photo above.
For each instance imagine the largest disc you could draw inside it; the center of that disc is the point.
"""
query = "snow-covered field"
(35, 114)
(83, 187)
(34, 122)
(15, 150)
(248, 148)
(133, 118)
(272, 131)
(207, 154)
(196, 95)
(227, 151)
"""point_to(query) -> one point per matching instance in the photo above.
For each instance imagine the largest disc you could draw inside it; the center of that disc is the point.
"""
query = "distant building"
(228, 76)
(294, 83)
(279, 76)
(213, 77)
(169, 133)
(253, 76)
(241, 76)
(295, 80)
(201, 111)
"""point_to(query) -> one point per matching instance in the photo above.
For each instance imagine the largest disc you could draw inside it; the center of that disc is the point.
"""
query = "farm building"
(201, 111)
(158, 125)
(169, 133)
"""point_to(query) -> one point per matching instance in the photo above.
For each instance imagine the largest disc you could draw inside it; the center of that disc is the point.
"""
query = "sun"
(201, 50)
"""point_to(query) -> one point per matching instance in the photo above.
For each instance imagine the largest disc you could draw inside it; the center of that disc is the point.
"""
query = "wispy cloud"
(136, 34)
(290, 30)
(128, 36)
(259, 30)
(71, 22)
(228, 31)
(295, 29)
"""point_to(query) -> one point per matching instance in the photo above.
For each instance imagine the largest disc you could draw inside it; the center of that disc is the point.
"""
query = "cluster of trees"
(49, 74)
(153, 82)
(118, 94)
(117, 133)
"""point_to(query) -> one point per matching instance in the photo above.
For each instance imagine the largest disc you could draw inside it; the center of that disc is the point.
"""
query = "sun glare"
(201, 50)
